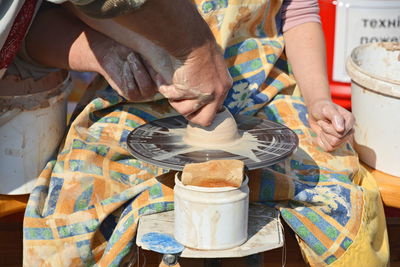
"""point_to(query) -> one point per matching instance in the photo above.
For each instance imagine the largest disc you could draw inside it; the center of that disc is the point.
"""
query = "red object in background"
(17, 33)
(341, 92)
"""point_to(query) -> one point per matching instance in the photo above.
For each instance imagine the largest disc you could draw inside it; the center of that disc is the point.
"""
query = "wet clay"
(29, 94)
(162, 142)
(390, 46)
(243, 146)
(13, 85)
(221, 132)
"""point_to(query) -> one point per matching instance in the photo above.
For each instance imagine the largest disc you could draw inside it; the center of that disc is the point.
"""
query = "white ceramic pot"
(211, 218)
(375, 81)
(31, 128)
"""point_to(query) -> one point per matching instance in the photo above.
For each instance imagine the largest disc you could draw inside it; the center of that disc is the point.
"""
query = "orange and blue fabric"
(87, 202)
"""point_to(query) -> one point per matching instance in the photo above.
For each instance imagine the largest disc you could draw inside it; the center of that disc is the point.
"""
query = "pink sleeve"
(296, 12)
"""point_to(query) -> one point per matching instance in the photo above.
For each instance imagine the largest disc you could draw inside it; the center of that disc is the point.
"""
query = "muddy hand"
(199, 86)
(198, 80)
(332, 123)
(128, 74)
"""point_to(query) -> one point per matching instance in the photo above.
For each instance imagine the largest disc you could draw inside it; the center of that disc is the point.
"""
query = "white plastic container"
(31, 128)
(211, 218)
(375, 75)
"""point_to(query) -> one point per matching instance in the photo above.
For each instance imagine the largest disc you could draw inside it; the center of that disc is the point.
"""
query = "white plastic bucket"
(211, 218)
(375, 77)
(32, 123)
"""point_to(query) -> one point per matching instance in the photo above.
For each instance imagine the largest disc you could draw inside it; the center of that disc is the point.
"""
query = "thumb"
(170, 92)
(333, 115)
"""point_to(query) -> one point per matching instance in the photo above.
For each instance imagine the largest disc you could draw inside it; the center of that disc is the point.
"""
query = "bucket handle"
(8, 115)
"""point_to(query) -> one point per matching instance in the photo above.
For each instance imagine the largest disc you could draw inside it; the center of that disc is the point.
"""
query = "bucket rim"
(60, 91)
(360, 47)
(371, 81)
(61, 86)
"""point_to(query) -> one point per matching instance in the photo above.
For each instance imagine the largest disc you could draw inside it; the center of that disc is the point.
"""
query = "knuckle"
(227, 86)
(228, 83)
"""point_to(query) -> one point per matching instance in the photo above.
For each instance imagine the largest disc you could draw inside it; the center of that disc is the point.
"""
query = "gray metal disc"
(160, 143)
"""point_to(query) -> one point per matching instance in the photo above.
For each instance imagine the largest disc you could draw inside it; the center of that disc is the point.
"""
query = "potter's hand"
(199, 85)
(128, 73)
(332, 123)
(200, 80)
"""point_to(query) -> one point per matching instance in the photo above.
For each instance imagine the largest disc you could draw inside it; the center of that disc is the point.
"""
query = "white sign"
(362, 22)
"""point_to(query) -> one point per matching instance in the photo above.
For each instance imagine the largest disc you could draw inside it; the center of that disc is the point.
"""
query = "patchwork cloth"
(87, 203)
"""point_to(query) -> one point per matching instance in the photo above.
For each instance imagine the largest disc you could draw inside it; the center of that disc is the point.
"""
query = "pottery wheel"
(160, 143)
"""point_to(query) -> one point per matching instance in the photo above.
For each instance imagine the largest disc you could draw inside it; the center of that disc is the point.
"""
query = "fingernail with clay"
(132, 60)
(339, 123)
(127, 77)
(131, 57)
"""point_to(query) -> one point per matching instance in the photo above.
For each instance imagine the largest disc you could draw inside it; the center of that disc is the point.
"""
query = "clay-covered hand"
(332, 123)
(198, 79)
(127, 73)
(200, 84)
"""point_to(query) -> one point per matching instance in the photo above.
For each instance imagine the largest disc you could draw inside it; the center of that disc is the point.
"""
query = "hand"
(332, 123)
(127, 73)
(200, 80)
(200, 84)
(197, 80)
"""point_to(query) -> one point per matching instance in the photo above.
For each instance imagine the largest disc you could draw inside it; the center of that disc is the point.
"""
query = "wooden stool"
(389, 187)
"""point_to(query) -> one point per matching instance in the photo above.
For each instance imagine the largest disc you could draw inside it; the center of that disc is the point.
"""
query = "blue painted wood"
(162, 243)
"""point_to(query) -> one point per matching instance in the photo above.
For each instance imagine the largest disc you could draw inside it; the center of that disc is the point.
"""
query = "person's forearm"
(174, 25)
(305, 50)
(59, 40)
(158, 58)
(199, 81)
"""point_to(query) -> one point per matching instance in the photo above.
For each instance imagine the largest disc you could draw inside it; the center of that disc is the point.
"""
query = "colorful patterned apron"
(88, 200)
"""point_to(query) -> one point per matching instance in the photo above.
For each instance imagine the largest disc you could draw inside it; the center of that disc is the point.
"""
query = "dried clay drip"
(214, 173)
